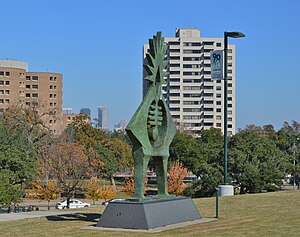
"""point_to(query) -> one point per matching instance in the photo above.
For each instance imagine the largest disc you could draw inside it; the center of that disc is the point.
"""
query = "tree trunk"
(112, 181)
(68, 202)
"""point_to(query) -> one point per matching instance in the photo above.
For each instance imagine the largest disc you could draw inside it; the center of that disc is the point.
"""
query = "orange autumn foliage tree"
(128, 186)
(93, 189)
(47, 191)
(107, 192)
(177, 172)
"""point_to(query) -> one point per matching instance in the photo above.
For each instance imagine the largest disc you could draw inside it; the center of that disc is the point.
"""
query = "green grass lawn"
(268, 214)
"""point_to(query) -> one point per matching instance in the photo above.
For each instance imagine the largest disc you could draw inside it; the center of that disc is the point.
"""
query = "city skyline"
(97, 47)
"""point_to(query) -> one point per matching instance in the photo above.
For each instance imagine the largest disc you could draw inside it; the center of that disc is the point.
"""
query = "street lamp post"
(226, 35)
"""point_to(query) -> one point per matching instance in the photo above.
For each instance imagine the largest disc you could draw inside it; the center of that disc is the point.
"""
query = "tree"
(10, 192)
(110, 163)
(17, 163)
(68, 165)
(93, 190)
(210, 178)
(255, 162)
(185, 148)
(107, 192)
(48, 191)
(128, 186)
(101, 149)
(177, 172)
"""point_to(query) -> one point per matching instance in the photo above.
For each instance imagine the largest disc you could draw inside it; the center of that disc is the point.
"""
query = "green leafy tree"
(17, 163)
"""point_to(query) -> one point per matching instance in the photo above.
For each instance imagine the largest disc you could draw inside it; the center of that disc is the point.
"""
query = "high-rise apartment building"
(195, 101)
(40, 90)
(103, 117)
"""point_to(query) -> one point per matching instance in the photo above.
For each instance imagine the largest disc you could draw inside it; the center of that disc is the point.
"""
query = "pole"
(294, 184)
(225, 104)
(217, 203)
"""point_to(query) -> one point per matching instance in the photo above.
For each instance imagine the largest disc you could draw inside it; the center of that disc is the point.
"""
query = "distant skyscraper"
(86, 111)
(121, 126)
(103, 117)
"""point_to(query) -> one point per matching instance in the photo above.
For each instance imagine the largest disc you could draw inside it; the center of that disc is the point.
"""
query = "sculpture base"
(148, 214)
(226, 190)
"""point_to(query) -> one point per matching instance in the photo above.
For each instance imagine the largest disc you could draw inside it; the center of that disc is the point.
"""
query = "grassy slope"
(269, 214)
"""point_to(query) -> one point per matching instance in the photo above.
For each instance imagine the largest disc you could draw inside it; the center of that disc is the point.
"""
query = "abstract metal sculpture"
(151, 129)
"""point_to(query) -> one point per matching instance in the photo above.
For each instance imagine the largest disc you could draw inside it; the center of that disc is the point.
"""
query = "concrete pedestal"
(148, 214)
(226, 190)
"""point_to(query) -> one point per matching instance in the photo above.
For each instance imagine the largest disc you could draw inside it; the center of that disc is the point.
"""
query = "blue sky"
(97, 46)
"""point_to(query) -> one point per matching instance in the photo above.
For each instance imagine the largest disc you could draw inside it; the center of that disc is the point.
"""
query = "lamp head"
(235, 34)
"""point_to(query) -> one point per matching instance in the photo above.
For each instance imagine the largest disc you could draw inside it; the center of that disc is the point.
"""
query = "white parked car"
(74, 203)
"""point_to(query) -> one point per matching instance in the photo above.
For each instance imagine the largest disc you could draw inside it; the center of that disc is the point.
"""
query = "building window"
(35, 86)
(208, 43)
(28, 95)
(1, 101)
(176, 116)
(219, 102)
(229, 105)
(192, 95)
(174, 43)
(1, 83)
(7, 83)
(7, 74)
(229, 119)
(27, 103)
(229, 112)
(195, 88)
(218, 125)
(174, 65)
(174, 58)
(51, 95)
(35, 78)
(191, 51)
(174, 109)
(35, 95)
(27, 86)
(1, 73)
(219, 117)
(7, 101)
(229, 98)
(191, 80)
(51, 87)
(171, 80)
(28, 78)
(219, 44)
(174, 94)
(174, 50)
(191, 109)
(218, 88)
(219, 110)
(229, 125)
(1, 92)
(7, 92)
(174, 102)
(192, 58)
(218, 95)
(191, 102)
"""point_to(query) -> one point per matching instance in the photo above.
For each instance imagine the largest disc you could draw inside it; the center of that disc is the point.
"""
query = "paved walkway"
(33, 214)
